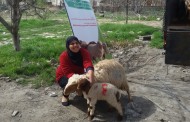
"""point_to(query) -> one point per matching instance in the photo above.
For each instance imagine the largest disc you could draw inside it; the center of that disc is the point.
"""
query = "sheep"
(72, 84)
(96, 50)
(100, 91)
(108, 70)
(83, 44)
(111, 71)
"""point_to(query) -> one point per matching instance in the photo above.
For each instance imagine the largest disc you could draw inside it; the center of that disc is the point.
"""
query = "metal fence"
(141, 12)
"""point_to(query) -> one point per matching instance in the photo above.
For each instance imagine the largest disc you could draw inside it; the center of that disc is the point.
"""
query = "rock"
(52, 94)
(121, 53)
(19, 79)
(47, 88)
(14, 113)
(145, 38)
(114, 55)
(8, 80)
(158, 19)
(30, 98)
(186, 79)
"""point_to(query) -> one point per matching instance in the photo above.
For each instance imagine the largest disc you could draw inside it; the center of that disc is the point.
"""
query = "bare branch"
(7, 26)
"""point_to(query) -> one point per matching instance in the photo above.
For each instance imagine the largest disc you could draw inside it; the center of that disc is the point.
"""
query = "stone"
(52, 94)
(14, 113)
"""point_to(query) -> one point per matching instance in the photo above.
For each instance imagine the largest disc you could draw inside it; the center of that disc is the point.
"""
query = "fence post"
(127, 7)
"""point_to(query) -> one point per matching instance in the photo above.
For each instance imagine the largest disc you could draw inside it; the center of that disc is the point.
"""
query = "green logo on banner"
(80, 4)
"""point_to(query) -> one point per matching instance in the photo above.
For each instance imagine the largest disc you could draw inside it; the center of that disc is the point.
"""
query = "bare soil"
(160, 92)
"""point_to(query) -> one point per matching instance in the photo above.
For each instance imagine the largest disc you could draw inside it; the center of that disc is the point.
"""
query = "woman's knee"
(63, 82)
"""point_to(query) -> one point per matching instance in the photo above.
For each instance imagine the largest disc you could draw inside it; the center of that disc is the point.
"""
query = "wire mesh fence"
(130, 13)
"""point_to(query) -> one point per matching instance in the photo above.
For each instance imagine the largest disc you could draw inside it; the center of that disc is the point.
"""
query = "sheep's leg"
(119, 109)
(126, 87)
(129, 98)
(92, 109)
(88, 104)
(117, 105)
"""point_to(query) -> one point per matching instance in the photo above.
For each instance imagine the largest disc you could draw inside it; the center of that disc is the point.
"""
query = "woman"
(73, 61)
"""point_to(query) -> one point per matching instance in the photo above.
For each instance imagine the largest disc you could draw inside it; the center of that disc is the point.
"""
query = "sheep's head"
(72, 84)
(84, 85)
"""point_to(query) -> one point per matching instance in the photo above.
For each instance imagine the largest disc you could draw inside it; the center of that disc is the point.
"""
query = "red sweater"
(67, 68)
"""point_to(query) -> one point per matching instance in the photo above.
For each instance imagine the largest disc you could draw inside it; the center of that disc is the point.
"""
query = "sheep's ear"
(82, 83)
(70, 89)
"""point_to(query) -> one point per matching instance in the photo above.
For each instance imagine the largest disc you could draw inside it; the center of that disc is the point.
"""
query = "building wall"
(55, 2)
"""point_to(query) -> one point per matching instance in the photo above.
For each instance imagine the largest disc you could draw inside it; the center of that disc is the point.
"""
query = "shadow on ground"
(143, 109)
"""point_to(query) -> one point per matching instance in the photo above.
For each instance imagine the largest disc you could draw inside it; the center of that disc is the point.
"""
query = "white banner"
(82, 20)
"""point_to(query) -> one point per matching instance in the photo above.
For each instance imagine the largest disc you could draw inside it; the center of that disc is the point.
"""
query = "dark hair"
(69, 40)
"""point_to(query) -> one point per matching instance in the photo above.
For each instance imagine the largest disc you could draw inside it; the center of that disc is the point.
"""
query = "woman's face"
(74, 46)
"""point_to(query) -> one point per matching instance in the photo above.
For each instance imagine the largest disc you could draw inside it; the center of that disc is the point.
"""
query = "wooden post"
(127, 14)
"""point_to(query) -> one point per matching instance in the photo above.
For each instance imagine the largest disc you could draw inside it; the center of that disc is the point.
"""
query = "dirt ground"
(160, 93)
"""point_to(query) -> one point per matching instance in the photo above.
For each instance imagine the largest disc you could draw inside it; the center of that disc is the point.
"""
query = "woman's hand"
(90, 75)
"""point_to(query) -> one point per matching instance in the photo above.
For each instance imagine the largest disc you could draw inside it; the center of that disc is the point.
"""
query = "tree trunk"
(16, 39)
(16, 16)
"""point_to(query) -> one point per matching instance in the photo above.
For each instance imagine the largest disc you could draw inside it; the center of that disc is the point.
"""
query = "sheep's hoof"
(90, 117)
(120, 118)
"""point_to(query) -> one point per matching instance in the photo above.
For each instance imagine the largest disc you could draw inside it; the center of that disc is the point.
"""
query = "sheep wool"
(101, 91)
(111, 71)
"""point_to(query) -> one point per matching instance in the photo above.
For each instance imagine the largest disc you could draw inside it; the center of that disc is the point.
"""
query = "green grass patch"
(4, 34)
(32, 61)
(157, 40)
(37, 23)
(125, 32)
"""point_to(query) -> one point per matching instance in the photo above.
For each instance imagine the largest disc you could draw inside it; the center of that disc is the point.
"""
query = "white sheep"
(108, 70)
(100, 91)
(111, 71)
(72, 83)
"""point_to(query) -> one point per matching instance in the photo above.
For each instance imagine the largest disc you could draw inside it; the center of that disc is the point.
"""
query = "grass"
(43, 40)
(33, 61)
(129, 32)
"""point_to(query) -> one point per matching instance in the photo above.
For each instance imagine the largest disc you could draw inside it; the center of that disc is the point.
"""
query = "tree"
(17, 7)
(13, 27)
